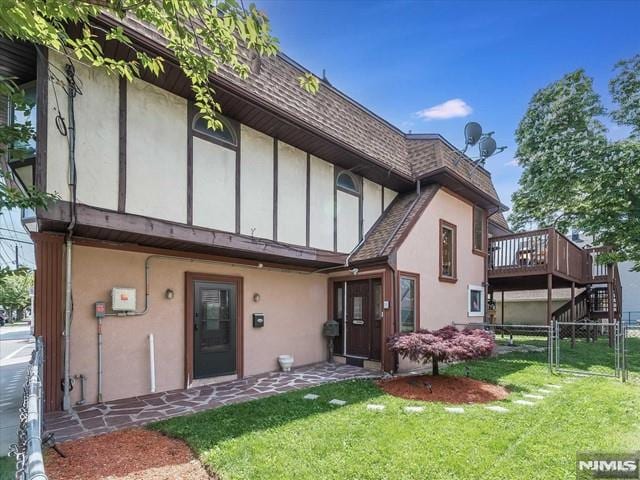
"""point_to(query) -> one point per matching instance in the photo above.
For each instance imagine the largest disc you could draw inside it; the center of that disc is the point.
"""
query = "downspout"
(68, 310)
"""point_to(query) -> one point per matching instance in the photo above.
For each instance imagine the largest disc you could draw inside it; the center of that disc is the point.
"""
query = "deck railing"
(542, 251)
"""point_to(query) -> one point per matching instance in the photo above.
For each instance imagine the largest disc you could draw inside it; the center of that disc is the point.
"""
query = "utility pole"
(17, 263)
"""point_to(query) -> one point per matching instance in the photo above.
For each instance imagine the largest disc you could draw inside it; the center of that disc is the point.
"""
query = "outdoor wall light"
(256, 297)
(168, 294)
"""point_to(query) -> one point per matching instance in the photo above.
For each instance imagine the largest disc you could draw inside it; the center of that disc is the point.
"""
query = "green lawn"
(7, 468)
(286, 437)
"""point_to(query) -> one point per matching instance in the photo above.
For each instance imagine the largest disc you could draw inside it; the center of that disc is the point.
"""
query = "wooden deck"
(525, 260)
(546, 259)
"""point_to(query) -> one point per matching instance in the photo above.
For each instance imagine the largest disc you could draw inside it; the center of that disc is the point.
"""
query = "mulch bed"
(443, 389)
(127, 454)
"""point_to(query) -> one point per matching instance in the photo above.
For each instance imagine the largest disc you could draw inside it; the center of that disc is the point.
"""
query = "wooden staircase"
(593, 303)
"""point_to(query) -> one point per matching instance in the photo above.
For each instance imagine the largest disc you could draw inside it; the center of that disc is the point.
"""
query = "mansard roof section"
(498, 219)
(334, 116)
(430, 153)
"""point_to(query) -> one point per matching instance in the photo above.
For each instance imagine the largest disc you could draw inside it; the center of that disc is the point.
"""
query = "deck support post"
(573, 314)
(549, 297)
(610, 294)
(502, 310)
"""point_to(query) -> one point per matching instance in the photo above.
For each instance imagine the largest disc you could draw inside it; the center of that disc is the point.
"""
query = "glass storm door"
(214, 329)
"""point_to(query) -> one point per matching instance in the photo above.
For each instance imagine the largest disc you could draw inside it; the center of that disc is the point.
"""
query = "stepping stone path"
(497, 409)
(524, 402)
(454, 409)
(550, 385)
(413, 409)
(311, 396)
(535, 397)
(337, 402)
(546, 392)
(375, 408)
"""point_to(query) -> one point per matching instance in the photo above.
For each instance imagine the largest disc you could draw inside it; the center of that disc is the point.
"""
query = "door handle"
(195, 326)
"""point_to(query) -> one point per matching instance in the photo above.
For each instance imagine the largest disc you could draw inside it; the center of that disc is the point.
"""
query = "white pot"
(286, 362)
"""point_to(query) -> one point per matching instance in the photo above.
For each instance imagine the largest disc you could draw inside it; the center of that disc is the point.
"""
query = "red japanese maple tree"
(447, 344)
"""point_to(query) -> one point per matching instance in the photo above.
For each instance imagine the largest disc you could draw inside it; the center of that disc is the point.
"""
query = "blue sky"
(398, 58)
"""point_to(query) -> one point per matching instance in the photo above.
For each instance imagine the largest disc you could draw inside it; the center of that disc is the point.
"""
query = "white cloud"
(454, 108)
(512, 163)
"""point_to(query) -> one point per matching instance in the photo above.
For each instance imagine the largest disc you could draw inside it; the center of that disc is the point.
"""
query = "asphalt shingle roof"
(387, 234)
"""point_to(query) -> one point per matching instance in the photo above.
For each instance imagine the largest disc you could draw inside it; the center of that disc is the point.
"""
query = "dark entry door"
(214, 329)
(358, 318)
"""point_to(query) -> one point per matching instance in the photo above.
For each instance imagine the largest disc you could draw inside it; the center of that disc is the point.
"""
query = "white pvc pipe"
(66, 399)
(152, 363)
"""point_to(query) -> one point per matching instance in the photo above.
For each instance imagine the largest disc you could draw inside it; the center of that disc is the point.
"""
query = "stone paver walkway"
(89, 420)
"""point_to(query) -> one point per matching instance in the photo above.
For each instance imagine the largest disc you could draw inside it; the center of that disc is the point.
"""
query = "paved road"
(16, 345)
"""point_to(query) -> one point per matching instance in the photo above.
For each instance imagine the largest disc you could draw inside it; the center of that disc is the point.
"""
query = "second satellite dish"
(487, 147)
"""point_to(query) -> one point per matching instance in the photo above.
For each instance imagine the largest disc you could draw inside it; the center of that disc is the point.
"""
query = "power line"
(15, 231)
(15, 240)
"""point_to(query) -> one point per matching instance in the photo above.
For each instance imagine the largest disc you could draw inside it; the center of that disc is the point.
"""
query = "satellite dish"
(472, 133)
(487, 147)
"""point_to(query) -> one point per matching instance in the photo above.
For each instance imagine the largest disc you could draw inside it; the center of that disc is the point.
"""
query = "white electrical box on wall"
(123, 299)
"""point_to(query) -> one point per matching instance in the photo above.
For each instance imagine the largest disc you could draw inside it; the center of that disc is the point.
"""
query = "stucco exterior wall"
(347, 213)
(294, 305)
(214, 186)
(442, 302)
(389, 195)
(371, 204)
(96, 116)
(256, 183)
(524, 312)
(292, 195)
(321, 186)
(156, 153)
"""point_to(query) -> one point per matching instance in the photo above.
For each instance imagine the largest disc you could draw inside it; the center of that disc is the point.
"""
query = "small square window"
(475, 301)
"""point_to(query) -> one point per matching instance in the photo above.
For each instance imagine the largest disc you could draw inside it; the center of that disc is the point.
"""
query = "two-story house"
(231, 247)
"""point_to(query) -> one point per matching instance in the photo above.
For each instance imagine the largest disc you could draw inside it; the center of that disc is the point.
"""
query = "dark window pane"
(478, 229)
(226, 134)
(475, 301)
(347, 182)
(339, 303)
(407, 305)
(357, 308)
(448, 246)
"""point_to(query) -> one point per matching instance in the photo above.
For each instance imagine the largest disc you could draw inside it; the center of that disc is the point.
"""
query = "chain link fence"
(28, 449)
(632, 353)
(522, 343)
(589, 348)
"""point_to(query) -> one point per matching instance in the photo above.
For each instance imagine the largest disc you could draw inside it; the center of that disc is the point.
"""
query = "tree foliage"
(202, 35)
(573, 175)
(447, 344)
(14, 289)
(625, 92)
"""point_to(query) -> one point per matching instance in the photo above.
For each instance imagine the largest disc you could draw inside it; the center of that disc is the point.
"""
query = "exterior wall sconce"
(168, 294)
(256, 297)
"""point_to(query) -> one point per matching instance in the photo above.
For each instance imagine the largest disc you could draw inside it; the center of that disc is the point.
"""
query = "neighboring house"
(233, 247)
